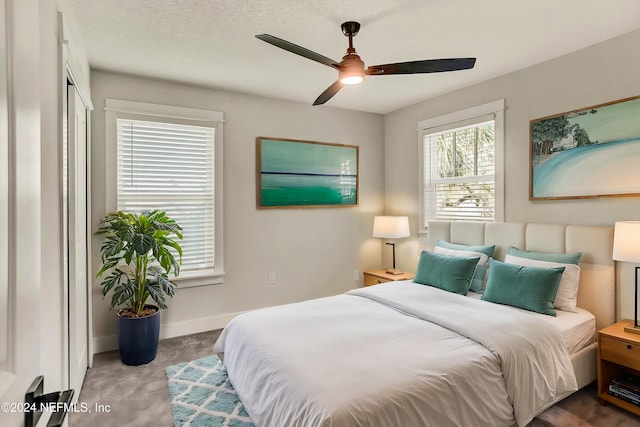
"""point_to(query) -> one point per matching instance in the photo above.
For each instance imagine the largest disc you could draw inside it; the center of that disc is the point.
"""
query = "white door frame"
(69, 77)
(24, 242)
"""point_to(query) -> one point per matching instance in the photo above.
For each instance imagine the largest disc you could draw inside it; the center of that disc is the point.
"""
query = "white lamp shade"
(391, 227)
(626, 241)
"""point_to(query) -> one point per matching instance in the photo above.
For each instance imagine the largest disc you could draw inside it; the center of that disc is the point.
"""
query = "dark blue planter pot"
(138, 338)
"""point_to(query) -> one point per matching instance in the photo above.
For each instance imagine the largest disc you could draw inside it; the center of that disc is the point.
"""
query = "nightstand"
(618, 353)
(373, 277)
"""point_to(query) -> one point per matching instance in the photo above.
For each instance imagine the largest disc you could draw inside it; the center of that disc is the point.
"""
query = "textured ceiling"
(212, 43)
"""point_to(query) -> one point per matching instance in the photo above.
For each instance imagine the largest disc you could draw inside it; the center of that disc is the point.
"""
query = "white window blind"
(170, 166)
(459, 172)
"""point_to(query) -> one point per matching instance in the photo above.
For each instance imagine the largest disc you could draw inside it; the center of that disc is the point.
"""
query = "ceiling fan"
(351, 69)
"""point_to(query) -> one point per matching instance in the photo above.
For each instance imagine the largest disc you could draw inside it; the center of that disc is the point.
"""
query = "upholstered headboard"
(597, 276)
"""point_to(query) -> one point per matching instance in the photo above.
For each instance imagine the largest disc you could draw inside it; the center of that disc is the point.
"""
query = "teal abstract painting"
(295, 173)
(591, 152)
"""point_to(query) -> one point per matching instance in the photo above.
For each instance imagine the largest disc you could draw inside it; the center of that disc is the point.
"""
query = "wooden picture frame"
(293, 173)
(586, 153)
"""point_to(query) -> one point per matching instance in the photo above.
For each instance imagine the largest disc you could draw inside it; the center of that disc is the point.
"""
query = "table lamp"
(391, 227)
(626, 248)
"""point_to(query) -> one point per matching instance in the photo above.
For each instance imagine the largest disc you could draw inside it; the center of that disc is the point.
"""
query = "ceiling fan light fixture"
(352, 77)
(351, 71)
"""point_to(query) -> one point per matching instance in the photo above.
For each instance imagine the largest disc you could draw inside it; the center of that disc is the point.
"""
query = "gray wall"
(314, 252)
(601, 73)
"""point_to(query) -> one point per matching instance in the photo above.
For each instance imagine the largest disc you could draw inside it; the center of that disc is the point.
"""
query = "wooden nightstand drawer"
(621, 352)
(374, 277)
(373, 280)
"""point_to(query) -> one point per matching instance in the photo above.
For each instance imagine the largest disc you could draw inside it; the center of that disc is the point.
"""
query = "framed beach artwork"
(304, 174)
(587, 153)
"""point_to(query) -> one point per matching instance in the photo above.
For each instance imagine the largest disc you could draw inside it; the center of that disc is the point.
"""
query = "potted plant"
(136, 254)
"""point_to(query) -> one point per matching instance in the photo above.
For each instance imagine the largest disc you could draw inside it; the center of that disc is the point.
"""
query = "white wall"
(314, 252)
(601, 73)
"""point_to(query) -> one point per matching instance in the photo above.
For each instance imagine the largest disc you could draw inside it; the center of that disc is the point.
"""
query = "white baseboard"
(170, 330)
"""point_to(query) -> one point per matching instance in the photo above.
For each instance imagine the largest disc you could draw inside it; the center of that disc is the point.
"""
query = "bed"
(406, 354)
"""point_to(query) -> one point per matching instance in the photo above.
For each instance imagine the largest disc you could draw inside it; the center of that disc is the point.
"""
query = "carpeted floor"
(138, 396)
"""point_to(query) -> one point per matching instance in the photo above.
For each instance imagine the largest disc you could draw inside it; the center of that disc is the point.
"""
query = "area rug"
(202, 395)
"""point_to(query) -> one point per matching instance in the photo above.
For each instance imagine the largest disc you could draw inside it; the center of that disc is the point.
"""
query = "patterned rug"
(202, 395)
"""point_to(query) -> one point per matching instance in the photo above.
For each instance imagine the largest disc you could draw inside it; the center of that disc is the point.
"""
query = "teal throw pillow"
(531, 288)
(450, 273)
(479, 277)
(573, 258)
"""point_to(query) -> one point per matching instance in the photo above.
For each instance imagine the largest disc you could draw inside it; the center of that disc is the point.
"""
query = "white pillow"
(484, 259)
(567, 296)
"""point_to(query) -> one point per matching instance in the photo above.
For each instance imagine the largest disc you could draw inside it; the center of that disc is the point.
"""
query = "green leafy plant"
(136, 252)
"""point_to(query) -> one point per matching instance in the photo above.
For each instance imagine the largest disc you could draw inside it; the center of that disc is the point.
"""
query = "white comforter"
(395, 354)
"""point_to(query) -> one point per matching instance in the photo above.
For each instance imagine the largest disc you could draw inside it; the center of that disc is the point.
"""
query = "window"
(166, 158)
(461, 164)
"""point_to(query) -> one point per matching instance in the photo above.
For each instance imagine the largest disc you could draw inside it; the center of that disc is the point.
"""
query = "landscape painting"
(304, 174)
(592, 152)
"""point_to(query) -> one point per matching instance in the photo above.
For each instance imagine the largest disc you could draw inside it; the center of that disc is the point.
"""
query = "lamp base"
(632, 329)
(396, 271)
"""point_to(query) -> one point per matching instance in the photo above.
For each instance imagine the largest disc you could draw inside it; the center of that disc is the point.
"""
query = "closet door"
(77, 239)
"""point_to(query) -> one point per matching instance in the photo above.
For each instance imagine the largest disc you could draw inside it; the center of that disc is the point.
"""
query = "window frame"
(119, 109)
(457, 119)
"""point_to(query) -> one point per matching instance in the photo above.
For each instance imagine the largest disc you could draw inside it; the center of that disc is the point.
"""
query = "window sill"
(192, 280)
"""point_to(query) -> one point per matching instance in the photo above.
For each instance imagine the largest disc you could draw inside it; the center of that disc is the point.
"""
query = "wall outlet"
(356, 275)
(272, 278)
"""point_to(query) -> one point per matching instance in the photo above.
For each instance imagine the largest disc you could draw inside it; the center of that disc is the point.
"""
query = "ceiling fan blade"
(298, 50)
(418, 67)
(328, 93)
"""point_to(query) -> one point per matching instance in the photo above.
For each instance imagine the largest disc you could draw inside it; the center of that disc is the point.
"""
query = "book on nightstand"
(624, 394)
(627, 388)
(628, 381)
